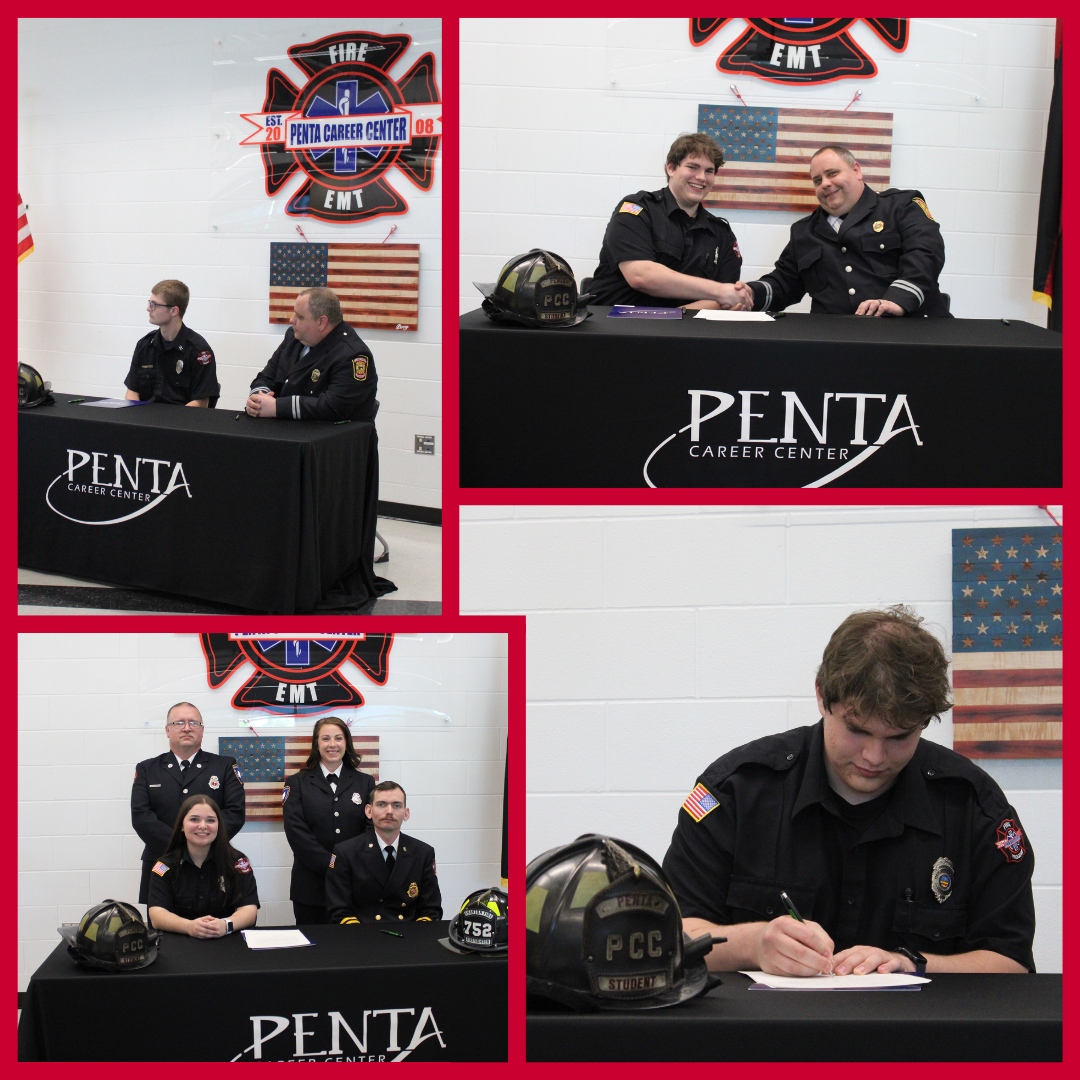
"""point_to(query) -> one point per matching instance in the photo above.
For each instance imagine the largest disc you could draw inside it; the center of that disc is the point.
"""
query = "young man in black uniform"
(320, 371)
(383, 876)
(899, 854)
(662, 248)
(163, 783)
(862, 253)
(172, 363)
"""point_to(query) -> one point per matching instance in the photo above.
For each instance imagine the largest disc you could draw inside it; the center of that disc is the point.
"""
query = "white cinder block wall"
(130, 164)
(661, 638)
(92, 705)
(560, 119)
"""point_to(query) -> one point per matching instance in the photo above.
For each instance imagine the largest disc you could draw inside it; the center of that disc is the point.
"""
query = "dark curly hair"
(884, 666)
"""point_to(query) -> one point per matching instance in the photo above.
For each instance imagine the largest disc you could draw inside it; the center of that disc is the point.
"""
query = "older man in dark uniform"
(898, 854)
(163, 783)
(663, 248)
(862, 252)
(322, 370)
(383, 876)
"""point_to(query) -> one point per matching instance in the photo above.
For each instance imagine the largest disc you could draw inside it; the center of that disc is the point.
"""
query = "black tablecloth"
(953, 1018)
(270, 515)
(604, 403)
(201, 1000)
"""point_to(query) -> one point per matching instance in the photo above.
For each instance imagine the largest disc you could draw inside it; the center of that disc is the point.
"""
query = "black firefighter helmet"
(603, 930)
(113, 937)
(33, 389)
(536, 289)
(480, 924)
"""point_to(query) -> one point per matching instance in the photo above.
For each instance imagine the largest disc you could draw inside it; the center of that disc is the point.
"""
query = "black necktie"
(332, 778)
(389, 861)
(184, 765)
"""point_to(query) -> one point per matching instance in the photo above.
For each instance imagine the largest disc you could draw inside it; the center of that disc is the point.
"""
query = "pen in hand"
(793, 911)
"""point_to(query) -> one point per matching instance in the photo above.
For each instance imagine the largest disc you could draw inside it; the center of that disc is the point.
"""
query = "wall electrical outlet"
(425, 444)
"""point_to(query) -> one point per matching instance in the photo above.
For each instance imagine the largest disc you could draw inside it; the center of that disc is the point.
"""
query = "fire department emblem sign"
(296, 675)
(348, 125)
(798, 51)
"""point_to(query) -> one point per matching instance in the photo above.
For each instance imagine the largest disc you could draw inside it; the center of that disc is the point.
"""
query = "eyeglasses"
(151, 304)
(185, 723)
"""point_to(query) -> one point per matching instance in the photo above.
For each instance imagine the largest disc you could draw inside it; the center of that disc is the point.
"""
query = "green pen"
(792, 910)
(76, 400)
(392, 933)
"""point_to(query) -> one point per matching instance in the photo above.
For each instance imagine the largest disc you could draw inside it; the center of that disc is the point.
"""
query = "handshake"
(737, 297)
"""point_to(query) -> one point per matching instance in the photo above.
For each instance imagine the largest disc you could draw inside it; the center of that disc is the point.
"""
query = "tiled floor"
(415, 566)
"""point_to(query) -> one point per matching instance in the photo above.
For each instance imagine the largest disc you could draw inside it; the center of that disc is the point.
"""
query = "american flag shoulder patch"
(160, 869)
(333, 859)
(700, 802)
(630, 208)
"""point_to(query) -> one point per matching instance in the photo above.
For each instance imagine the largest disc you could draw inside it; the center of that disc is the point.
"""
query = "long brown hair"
(222, 853)
(350, 754)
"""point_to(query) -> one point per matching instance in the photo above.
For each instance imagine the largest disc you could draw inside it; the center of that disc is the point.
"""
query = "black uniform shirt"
(938, 863)
(190, 891)
(888, 247)
(334, 380)
(651, 226)
(176, 371)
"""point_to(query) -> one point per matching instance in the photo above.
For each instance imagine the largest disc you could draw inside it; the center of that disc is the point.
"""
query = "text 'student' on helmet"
(480, 924)
(113, 937)
(33, 389)
(536, 289)
(603, 930)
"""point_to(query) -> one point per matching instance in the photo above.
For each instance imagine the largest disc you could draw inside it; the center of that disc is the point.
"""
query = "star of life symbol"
(348, 125)
(309, 664)
(800, 51)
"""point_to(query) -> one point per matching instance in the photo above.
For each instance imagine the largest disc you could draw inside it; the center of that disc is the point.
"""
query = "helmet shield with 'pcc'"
(535, 289)
(112, 936)
(604, 931)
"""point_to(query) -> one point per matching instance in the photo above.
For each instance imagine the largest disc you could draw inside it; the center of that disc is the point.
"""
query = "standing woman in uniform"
(322, 804)
(202, 886)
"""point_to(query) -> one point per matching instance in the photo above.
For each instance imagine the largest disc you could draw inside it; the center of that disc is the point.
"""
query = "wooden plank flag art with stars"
(378, 284)
(1007, 634)
(767, 153)
(265, 762)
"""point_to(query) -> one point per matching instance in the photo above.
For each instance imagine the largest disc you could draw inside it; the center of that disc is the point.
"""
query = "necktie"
(332, 779)
(389, 861)
(184, 765)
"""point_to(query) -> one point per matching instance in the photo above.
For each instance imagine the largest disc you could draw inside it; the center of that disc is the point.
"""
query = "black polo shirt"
(938, 863)
(174, 372)
(190, 891)
(651, 226)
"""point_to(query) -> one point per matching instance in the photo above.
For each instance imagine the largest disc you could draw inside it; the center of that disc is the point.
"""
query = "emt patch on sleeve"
(699, 802)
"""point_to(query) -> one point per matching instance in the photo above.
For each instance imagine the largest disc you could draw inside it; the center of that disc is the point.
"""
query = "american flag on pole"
(26, 241)
(1007, 642)
(378, 284)
(266, 761)
(767, 152)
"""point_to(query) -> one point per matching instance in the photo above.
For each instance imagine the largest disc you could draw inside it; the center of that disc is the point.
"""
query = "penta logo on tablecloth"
(99, 488)
(767, 428)
(312, 1036)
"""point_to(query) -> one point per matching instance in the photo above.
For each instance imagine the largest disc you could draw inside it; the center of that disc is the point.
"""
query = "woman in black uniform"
(323, 804)
(202, 886)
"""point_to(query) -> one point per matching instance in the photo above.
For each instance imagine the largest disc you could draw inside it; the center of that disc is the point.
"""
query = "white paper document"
(274, 939)
(734, 316)
(895, 980)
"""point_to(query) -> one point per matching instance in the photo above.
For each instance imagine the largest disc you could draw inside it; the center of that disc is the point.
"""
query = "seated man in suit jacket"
(383, 876)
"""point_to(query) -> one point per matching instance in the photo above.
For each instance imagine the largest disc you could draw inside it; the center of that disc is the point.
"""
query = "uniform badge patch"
(160, 869)
(236, 773)
(356, 798)
(204, 357)
(414, 891)
(243, 866)
(1010, 841)
(878, 226)
(699, 802)
(179, 366)
(215, 783)
(630, 208)
(923, 207)
(359, 368)
(333, 859)
(284, 795)
(735, 248)
(315, 375)
(941, 879)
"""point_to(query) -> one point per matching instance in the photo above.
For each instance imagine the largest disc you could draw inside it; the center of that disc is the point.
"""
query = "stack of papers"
(275, 939)
(897, 980)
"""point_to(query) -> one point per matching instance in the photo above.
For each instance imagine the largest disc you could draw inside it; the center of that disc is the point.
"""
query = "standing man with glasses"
(163, 783)
(172, 363)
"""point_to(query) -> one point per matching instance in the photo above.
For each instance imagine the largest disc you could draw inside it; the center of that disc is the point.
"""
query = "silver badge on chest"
(941, 879)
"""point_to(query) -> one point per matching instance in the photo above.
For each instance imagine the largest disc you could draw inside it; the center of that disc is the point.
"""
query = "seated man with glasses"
(162, 784)
(172, 364)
